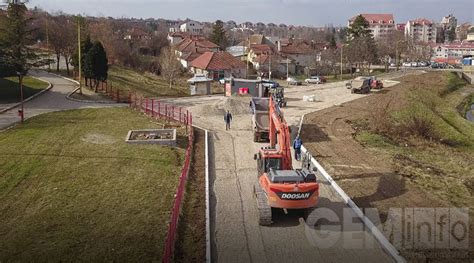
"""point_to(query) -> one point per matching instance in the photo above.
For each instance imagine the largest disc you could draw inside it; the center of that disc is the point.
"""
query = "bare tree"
(56, 34)
(170, 66)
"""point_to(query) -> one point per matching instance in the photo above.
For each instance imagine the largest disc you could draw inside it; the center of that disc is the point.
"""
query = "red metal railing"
(158, 109)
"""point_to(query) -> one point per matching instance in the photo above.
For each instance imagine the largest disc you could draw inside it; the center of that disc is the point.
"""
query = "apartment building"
(421, 30)
(380, 25)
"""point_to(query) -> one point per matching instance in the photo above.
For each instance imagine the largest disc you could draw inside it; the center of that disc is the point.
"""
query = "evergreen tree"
(359, 28)
(332, 42)
(451, 34)
(96, 64)
(218, 35)
(16, 39)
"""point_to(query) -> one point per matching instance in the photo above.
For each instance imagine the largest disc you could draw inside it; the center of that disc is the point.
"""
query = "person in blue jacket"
(297, 146)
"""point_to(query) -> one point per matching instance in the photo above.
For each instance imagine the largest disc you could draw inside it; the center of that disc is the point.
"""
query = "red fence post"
(159, 114)
(152, 107)
(146, 105)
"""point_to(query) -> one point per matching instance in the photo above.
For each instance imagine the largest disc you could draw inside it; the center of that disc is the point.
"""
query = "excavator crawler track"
(264, 210)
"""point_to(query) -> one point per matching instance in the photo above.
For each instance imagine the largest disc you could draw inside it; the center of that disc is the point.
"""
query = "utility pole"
(22, 112)
(270, 66)
(342, 47)
(79, 57)
(248, 52)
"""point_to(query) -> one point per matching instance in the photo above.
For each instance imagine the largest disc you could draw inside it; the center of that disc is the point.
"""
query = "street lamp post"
(21, 112)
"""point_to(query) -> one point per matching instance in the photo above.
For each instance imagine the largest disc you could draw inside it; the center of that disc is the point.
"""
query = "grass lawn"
(145, 83)
(10, 88)
(71, 189)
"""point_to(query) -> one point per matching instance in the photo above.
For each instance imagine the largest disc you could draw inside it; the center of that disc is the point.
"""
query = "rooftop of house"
(217, 61)
(377, 18)
(255, 39)
(193, 43)
(261, 49)
(295, 46)
(421, 21)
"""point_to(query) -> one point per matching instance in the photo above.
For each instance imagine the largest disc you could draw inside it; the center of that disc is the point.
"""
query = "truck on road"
(260, 121)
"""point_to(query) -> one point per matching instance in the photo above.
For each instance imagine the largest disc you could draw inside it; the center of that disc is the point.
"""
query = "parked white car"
(414, 64)
(406, 64)
(315, 80)
(293, 81)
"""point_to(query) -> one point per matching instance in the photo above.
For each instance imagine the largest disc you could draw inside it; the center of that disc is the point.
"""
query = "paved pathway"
(52, 100)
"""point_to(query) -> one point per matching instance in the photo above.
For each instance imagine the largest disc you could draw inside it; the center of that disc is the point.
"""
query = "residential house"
(176, 37)
(421, 30)
(470, 35)
(302, 52)
(256, 39)
(239, 52)
(192, 47)
(276, 63)
(380, 25)
(462, 31)
(218, 65)
(191, 27)
(452, 53)
(136, 34)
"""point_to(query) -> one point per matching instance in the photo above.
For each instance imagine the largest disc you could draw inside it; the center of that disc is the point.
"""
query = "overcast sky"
(297, 12)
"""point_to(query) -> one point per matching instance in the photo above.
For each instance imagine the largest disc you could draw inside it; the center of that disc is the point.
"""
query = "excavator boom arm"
(279, 133)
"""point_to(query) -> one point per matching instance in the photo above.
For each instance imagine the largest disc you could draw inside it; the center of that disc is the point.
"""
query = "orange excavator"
(279, 185)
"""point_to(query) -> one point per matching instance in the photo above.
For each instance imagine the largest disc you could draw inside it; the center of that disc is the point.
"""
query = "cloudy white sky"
(297, 12)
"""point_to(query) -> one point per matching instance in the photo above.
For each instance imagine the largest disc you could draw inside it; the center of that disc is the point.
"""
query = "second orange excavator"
(279, 185)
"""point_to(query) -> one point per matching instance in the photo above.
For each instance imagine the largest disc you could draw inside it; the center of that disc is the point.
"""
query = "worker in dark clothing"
(297, 146)
(227, 119)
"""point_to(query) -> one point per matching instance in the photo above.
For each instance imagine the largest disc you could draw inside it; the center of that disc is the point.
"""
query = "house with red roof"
(421, 30)
(380, 25)
(218, 65)
(302, 52)
(192, 47)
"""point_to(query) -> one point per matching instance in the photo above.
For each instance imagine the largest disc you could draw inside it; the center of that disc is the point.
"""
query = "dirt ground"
(369, 177)
(191, 243)
(236, 235)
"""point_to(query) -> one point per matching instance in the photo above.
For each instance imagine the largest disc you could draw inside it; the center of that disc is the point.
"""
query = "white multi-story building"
(380, 25)
(191, 27)
(421, 30)
(448, 23)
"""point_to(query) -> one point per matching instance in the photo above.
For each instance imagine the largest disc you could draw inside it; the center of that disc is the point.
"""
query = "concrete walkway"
(52, 100)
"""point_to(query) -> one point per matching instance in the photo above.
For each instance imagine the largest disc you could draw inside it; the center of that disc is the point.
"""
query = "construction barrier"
(157, 109)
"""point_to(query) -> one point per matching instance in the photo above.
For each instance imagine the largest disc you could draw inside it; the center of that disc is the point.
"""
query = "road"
(237, 235)
(52, 100)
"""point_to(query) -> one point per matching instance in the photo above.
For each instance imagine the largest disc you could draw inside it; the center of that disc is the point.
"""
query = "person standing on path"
(227, 119)
(297, 146)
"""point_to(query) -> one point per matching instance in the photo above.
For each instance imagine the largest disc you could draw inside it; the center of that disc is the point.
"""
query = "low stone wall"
(153, 136)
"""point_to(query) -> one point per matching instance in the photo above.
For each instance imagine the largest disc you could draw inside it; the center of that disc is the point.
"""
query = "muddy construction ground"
(373, 178)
